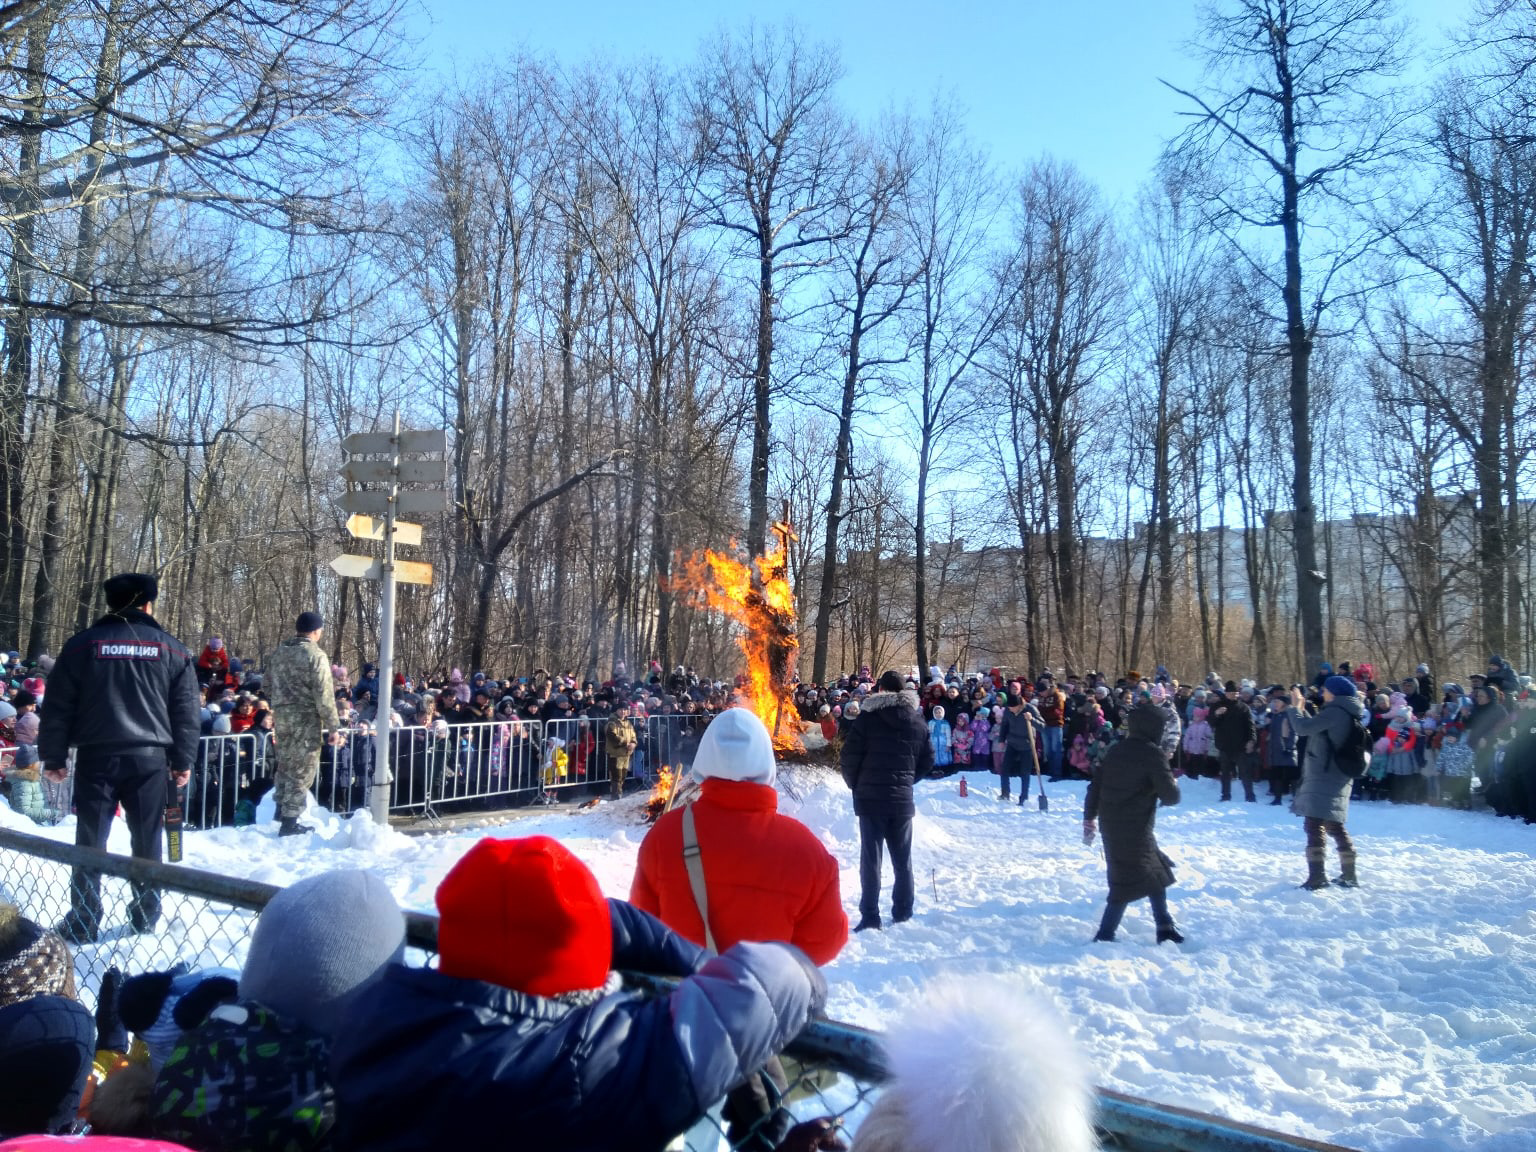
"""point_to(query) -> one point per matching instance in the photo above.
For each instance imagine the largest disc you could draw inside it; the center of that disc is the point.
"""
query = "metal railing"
(835, 1070)
(441, 769)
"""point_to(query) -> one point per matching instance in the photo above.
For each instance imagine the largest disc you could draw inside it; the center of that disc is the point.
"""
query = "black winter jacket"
(1123, 796)
(1232, 726)
(431, 1061)
(885, 751)
(123, 685)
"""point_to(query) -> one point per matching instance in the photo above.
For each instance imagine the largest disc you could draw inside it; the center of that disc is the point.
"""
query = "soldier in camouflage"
(300, 687)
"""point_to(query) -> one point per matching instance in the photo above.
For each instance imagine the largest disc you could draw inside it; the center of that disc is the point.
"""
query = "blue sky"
(1074, 78)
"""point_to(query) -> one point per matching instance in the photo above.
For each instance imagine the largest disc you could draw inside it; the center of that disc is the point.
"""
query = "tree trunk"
(1309, 588)
(18, 335)
(762, 395)
(841, 463)
(61, 453)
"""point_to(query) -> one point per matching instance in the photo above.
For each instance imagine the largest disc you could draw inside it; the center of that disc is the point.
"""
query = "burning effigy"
(757, 595)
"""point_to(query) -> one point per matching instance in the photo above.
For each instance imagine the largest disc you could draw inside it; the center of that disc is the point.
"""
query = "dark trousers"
(139, 782)
(1115, 909)
(1015, 764)
(1236, 766)
(875, 834)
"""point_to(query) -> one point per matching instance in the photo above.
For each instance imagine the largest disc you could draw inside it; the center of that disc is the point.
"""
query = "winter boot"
(78, 928)
(866, 923)
(1316, 877)
(1346, 877)
(1100, 937)
(1169, 931)
(291, 827)
(1276, 801)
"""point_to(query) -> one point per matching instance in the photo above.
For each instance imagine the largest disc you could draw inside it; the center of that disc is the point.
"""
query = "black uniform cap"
(130, 590)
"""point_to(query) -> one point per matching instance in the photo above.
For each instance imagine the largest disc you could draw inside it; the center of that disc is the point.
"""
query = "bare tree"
(1295, 116)
(778, 145)
(1066, 304)
(956, 309)
(871, 278)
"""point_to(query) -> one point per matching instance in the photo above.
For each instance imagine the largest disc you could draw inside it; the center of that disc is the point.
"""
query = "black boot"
(1100, 938)
(1276, 801)
(291, 827)
(1169, 931)
(78, 928)
(867, 923)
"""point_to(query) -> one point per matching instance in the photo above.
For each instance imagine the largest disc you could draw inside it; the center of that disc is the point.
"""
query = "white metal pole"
(378, 801)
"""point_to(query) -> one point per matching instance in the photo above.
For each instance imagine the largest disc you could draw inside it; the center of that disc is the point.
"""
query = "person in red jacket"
(765, 877)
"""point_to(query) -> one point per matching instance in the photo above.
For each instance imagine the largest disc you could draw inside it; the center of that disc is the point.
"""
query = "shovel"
(1045, 804)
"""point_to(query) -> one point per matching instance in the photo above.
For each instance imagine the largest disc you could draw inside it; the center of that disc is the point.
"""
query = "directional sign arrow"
(412, 572)
(379, 443)
(358, 567)
(367, 528)
(409, 503)
(372, 568)
(408, 472)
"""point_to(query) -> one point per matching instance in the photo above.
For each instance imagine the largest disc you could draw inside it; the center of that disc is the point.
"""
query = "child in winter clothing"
(1402, 761)
(938, 738)
(525, 1017)
(962, 741)
(998, 748)
(1197, 744)
(981, 737)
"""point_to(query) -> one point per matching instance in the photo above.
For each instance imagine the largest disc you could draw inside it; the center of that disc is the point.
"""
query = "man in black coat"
(885, 751)
(1124, 795)
(124, 695)
(1234, 733)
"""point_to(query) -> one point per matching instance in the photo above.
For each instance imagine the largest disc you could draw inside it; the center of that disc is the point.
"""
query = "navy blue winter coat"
(885, 750)
(438, 1062)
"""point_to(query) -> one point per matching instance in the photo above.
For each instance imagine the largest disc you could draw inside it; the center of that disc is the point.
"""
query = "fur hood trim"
(984, 1064)
(878, 700)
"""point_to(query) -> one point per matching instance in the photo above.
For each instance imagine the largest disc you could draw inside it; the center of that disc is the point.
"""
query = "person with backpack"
(754, 873)
(1336, 756)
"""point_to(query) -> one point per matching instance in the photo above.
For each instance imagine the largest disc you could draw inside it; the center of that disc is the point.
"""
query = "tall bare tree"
(779, 143)
(1294, 118)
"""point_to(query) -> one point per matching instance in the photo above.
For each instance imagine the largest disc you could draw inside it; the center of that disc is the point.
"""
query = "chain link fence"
(832, 1070)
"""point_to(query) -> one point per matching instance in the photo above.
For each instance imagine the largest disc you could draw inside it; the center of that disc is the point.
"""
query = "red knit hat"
(525, 914)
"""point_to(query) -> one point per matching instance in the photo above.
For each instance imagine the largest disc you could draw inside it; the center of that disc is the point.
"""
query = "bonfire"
(759, 598)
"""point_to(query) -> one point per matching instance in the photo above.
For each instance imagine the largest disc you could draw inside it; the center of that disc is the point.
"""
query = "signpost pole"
(378, 800)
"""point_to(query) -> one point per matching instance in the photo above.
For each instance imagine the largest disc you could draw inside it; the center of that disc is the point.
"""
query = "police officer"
(124, 695)
(303, 696)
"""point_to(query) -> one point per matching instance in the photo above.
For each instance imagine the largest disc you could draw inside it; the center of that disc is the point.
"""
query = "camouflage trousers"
(619, 769)
(298, 764)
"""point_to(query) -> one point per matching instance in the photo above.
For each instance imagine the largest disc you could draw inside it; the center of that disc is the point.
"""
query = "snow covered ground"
(1400, 1016)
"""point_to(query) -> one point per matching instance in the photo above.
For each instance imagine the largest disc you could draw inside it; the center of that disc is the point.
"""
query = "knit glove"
(1090, 829)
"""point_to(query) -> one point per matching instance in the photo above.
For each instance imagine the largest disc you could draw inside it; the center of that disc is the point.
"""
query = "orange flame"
(661, 795)
(769, 638)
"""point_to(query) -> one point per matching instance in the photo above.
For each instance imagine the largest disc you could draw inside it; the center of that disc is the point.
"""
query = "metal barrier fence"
(835, 1070)
(442, 768)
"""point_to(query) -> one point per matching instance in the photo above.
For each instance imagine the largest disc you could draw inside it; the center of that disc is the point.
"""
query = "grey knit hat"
(321, 942)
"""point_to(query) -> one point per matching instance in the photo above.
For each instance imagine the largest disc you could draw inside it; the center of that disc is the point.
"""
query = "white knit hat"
(736, 746)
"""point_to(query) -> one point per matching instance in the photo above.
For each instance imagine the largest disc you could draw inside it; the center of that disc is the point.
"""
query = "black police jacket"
(123, 685)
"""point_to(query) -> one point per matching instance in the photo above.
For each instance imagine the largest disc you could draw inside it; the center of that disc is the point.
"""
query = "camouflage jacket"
(300, 686)
(619, 738)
